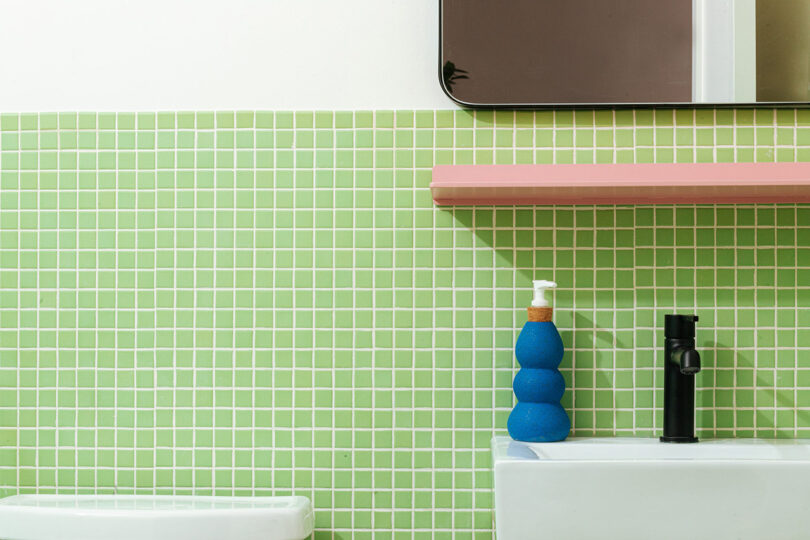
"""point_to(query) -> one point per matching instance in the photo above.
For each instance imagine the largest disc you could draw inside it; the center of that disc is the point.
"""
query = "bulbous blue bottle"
(539, 386)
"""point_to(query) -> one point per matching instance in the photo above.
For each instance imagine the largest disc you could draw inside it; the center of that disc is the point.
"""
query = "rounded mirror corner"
(449, 76)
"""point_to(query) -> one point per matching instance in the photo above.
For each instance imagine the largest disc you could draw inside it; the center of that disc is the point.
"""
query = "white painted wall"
(218, 54)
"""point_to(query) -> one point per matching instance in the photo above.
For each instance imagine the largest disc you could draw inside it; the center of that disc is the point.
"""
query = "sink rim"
(650, 450)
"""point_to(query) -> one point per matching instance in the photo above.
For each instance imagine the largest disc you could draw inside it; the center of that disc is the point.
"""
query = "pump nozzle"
(540, 287)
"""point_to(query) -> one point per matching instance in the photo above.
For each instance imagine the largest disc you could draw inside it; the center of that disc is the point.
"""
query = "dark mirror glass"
(625, 52)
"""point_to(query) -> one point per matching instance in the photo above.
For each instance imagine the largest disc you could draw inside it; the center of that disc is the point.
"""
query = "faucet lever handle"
(690, 362)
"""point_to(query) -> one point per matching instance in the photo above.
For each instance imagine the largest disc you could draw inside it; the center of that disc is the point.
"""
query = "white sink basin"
(639, 489)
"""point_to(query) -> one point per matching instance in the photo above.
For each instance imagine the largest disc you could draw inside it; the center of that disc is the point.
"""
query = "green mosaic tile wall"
(269, 303)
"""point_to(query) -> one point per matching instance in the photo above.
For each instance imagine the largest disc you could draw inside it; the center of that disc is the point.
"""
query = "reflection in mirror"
(605, 52)
(783, 50)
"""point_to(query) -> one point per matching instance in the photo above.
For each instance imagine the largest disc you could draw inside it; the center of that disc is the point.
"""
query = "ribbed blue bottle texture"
(539, 386)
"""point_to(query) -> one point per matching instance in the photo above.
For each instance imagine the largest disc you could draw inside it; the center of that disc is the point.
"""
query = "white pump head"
(540, 286)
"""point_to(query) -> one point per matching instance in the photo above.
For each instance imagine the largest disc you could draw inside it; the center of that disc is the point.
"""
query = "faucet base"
(679, 439)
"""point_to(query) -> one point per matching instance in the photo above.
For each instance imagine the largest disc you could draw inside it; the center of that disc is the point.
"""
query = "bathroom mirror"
(535, 53)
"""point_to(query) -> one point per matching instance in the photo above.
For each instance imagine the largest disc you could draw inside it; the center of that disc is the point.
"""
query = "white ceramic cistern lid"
(137, 517)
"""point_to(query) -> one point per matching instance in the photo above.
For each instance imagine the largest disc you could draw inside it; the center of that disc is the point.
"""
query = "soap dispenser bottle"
(538, 415)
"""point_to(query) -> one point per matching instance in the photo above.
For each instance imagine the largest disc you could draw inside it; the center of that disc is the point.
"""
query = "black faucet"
(681, 362)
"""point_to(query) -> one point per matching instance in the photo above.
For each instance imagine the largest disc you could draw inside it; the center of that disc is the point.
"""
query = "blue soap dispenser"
(539, 385)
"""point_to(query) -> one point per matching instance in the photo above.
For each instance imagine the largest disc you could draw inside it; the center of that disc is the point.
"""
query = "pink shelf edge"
(647, 183)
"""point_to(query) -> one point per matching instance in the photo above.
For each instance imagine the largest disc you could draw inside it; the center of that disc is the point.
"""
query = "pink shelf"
(648, 183)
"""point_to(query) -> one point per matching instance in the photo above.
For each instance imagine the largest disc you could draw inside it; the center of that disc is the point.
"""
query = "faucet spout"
(688, 359)
(690, 362)
(681, 363)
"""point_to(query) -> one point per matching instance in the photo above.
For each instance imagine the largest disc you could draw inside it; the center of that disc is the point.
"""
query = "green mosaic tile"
(258, 302)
